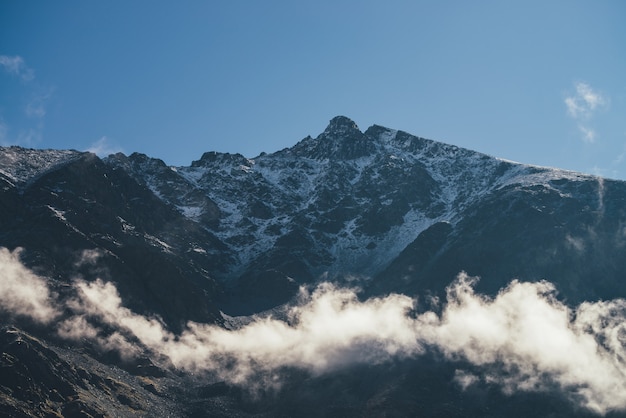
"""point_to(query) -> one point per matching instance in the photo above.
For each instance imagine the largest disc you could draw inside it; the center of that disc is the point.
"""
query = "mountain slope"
(344, 205)
(196, 254)
(82, 218)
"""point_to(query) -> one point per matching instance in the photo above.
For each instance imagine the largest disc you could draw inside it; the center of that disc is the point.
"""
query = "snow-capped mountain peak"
(341, 194)
(231, 240)
(340, 126)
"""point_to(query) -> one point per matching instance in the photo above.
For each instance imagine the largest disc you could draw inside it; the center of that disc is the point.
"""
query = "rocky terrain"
(231, 241)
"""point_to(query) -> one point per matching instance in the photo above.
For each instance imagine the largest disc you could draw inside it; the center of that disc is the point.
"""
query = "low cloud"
(328, 330)
(536, 341)
(88, 257)
(22, 292)
(78, 328)
(522, 339)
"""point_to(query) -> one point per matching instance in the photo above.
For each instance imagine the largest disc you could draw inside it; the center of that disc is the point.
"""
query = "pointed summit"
(341, 140)
(341, 126)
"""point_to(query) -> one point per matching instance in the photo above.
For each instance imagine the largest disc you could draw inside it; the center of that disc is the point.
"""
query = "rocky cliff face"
(380, 209)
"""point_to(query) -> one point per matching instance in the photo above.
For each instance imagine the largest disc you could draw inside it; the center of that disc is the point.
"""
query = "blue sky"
(539, 82)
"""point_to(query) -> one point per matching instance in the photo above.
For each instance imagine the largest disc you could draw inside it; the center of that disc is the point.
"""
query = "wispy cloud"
(32, 98)
(103, 147)
(584, 101)
(36, 106)
(22, 292)
(581, 106)
(588, 134)
(620, 157)
(15, 65)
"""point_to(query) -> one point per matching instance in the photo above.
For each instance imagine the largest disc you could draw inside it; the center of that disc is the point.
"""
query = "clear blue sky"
(540, 82)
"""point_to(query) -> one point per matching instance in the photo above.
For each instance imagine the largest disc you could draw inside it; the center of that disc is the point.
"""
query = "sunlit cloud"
(534, 341)
(22, 292)
(103, 147)
(521, 340)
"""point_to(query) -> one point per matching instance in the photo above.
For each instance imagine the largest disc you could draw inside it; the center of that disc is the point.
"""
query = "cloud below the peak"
(536, 341)
(22, 292)
(328, 330)
(522, 339)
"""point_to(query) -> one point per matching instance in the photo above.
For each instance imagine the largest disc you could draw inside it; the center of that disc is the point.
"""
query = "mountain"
(231, 241)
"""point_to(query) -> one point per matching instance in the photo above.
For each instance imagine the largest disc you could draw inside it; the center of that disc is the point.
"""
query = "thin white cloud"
(103, 147)
(36, 107)
(30, 136)
(29, 131)
(581, 106)
(15, 65)
(11, 64)
(588, 134)
(620, 157)
(584, 102)
(573, 108)
(590, 98)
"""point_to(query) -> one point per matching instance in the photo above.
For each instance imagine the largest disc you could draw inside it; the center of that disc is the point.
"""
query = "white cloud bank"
(537, 341)
(523, 339)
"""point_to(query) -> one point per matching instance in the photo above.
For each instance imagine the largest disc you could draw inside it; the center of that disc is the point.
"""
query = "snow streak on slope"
(346, 191)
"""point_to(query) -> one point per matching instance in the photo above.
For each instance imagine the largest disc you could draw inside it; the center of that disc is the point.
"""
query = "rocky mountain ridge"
(228, 236)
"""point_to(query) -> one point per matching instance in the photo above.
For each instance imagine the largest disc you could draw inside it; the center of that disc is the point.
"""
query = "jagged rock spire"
(341, 126)
(341, 140)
